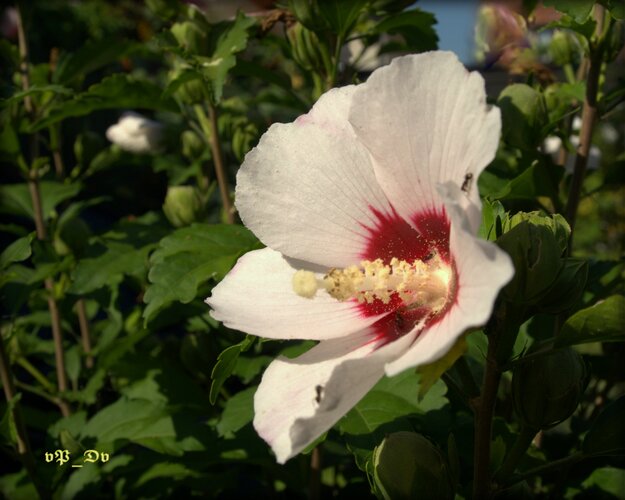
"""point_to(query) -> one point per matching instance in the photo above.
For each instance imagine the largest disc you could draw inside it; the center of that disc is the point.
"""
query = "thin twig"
(483, 426)
(550, 467)
(523, 441)
(85, 332)
(315, 474)
(23, 50)
(23, 444)
(35, 196)
(589, 116)
(220, 171)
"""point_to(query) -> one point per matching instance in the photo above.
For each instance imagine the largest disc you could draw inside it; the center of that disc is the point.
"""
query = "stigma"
(417, 283)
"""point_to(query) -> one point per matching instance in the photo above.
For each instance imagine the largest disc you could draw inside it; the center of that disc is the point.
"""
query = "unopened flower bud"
(183, 205)
(547, 389)
(536, 244)
(136, 133)
(407, 465)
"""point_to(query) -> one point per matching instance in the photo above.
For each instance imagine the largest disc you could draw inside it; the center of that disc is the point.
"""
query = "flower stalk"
(589, 117)
(23, 444)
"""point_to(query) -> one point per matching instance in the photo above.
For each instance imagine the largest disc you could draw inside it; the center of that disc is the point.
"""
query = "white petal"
(483, 269)
(257, 297)
(308, 188)
(425, 120)
(299, 399)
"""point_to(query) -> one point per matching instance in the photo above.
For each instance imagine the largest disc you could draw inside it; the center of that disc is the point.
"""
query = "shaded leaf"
(226, 363)
(607, 433)
(238, 412)
(15, 198)
(432, 372)
(17, 251)
(602, 322)
(189, 257)
(116, 91)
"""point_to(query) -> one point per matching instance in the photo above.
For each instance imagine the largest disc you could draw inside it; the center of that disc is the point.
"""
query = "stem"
(550, 467)
(483, 426)
(38, 392)
(23, 444)
(315, 474)
(37, 375)
(589, 116)
(85, 333)
(23, 50)
(218, 161)
(55, 318)
(464, 371)
(522, 443)
(55, 145)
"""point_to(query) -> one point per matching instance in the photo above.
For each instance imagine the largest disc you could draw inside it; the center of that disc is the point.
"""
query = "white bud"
(136, 133)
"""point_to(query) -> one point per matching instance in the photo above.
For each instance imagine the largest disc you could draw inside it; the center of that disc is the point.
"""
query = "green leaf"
(602, 322)
(341, 15)
(416, 26)
(35, 89)
(609, 480)
(384, 409)
(577, 9)
(537, 180)
(607, 433)
(116, 91)
(171, 470)
(189, 257)
(432, 372)
(90, 57)
(523, 116)
(17, 251)
(122, 251)
(232, 41)
(80, 479)
(226, 363)
(492, 215)
(238, 412)
(15, 198)
(8, 432)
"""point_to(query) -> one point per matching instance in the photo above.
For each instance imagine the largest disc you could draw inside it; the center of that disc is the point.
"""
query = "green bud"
(523, 116)
(563, 47)
(567, 289)
(183, 205)
(192, 145)
(547, 389)
(191, 34)
(407, 465)
(535, 243)
(307, 50)
(242, 140)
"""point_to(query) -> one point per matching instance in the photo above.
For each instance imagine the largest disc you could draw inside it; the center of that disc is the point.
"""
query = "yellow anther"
(417, 283)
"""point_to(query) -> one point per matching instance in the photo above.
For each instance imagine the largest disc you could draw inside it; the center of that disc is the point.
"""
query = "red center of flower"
(392, 237)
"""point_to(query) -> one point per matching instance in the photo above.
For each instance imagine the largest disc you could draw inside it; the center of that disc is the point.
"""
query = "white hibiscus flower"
(136, 134)
(369, 209)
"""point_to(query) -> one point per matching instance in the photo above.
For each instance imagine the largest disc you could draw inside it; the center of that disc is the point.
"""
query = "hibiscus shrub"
(300, 252)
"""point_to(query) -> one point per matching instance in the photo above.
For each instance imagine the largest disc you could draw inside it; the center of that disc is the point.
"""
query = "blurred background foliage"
(115, 226)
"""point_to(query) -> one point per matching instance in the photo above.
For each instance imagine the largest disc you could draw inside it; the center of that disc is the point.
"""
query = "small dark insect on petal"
(318, 391)
(468, 181)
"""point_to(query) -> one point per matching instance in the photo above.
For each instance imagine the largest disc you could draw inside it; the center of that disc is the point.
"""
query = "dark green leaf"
(416, 26)
(538, 180)
(15, 198)
(523, 116)
(577, 9)
(607, 434)
(36, 89)
(117, 91)
(238, 412)
(608, 480)
(17, 251)
(91, 56)
(341, 15)
(384, 409)
(226, 363)
(190, 257)
(603, 322)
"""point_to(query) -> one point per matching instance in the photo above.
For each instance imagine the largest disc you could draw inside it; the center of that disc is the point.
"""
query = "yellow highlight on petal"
(305, 284)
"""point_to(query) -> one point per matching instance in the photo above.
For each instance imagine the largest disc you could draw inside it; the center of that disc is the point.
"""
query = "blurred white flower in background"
(553, 144)
(135, 133)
